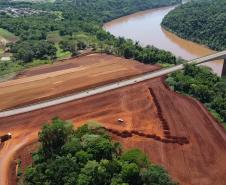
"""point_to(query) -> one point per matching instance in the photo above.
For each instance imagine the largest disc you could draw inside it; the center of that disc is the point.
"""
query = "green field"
(7, 35)
(62, 54)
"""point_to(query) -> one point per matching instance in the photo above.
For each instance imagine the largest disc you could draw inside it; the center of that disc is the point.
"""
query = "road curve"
(109, 87)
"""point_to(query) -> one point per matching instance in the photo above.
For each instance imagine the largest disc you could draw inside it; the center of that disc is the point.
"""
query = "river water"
(145, 27)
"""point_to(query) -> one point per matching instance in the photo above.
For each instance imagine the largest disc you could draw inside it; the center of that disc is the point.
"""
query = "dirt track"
(202, 162)
(74, 75)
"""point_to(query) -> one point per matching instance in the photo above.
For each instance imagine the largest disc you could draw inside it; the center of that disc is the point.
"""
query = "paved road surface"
(108, 87)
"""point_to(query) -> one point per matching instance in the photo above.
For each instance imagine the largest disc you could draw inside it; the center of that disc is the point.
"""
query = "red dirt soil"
(24, 155)
(201, 162)
(78, 74)
(84, 60)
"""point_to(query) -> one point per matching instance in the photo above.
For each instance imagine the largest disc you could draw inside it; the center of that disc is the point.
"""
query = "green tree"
(202, 84)
(54, 136)
(29, 50)
(199, 25)
(73, 158)
(131, 174)
(156, 175)
(100, 147)
(135, 156)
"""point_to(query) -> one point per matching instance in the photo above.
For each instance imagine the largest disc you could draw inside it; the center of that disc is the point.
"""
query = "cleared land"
(10, 37)
(131, 104)
(67, 77)
(202, 161)
(6, 37)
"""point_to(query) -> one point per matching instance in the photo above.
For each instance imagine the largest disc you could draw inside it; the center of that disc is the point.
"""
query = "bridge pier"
(224, 68)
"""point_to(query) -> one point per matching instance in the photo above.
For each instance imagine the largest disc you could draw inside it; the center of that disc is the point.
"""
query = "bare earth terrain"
(148, 108)
(201, 162)
(77, 74)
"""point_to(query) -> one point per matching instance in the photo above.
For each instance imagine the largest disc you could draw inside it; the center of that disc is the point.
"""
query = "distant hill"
(202, 21)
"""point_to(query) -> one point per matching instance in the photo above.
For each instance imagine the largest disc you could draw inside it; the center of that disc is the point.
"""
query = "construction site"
(174, 130)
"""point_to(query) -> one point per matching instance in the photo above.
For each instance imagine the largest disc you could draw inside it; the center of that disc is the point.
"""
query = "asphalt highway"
(109, 87)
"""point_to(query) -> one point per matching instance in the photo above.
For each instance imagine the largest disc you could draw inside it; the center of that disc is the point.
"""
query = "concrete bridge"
(217, 56)
(112, 86)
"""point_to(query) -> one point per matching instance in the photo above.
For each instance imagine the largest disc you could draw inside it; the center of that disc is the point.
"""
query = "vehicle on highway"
(5, 137)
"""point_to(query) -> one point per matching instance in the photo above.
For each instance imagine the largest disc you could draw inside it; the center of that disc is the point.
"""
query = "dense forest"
(201, 21)
(77, 25)
(88, 156)
(202, 84)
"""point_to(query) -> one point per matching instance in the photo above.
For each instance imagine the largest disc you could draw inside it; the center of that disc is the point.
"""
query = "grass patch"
(54, 37)
(37, 62)
(224, 125)
(62, 54)
(8, 35)
(9, 69)
(1, 52)
(165, 65)
(218, 117)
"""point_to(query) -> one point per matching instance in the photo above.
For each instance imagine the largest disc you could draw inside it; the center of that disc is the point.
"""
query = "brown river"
(145, 27)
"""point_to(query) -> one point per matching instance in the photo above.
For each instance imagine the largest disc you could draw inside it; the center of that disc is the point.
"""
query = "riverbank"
(153, 34)
(72, 36)
(197, 24)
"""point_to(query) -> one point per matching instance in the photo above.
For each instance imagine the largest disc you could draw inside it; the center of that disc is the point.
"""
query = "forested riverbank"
(202, 21)
(205, 86)
(69, 27)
